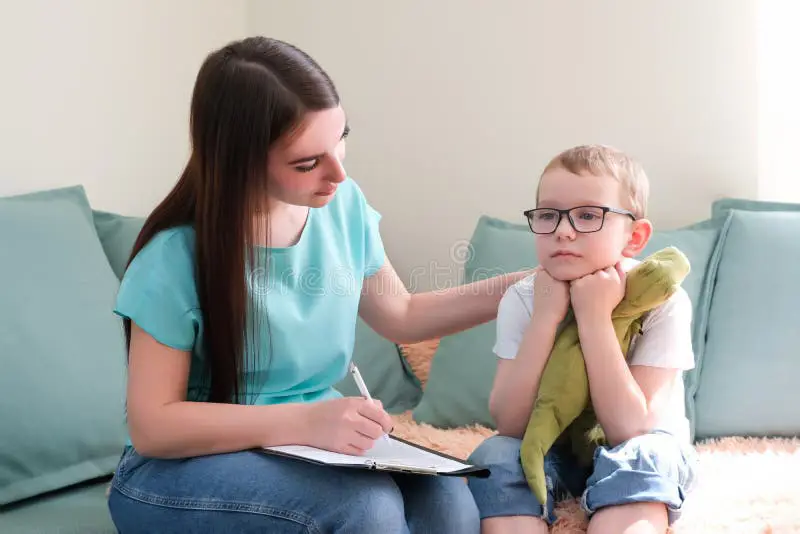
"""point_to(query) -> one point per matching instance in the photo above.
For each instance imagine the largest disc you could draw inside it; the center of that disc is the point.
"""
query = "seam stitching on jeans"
(218, 505)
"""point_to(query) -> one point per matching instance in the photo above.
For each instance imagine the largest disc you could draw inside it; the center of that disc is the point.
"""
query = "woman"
(240, 304)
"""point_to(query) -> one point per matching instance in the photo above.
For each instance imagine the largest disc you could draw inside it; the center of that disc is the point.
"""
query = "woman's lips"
(327, 192)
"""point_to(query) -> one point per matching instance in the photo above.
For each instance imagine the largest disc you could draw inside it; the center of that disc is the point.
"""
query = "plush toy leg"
(563, 395)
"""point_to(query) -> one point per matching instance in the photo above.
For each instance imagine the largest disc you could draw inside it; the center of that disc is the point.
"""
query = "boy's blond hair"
(602, 160)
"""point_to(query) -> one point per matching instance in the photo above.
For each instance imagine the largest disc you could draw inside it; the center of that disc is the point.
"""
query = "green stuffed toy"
(563, 400)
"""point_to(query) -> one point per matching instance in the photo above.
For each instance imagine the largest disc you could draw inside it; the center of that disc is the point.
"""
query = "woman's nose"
(337, 173)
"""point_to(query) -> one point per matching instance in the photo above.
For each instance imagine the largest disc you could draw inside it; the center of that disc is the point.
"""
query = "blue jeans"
(248, 491)
(654, 467)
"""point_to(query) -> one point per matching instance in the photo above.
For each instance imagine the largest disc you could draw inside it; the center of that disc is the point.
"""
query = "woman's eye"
(308, 168)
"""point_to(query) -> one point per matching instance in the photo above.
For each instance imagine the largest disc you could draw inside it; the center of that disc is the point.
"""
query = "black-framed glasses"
(584, 219)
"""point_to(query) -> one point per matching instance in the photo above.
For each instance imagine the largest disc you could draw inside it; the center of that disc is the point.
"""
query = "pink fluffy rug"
(747, 485)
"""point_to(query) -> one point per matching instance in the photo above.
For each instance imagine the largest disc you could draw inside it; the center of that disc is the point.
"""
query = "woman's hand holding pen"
(349, 425)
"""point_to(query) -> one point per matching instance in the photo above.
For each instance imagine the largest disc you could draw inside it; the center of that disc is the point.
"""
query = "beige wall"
(97, 92)
(778, 105)
(456, 105)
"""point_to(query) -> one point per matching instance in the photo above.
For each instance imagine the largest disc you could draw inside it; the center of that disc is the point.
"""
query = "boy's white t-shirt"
(665, 341)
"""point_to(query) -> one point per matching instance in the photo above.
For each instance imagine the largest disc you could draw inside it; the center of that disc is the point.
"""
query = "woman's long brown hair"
(246, 96)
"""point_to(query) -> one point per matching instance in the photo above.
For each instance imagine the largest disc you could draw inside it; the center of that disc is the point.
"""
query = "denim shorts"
(654, 467)
(250, 491)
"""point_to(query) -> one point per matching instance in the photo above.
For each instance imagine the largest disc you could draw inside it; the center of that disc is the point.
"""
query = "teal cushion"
(383, 367)
(80, 509)
(498, 247)
(723, 205)
(748, 381)
(463, 367)
(117, 234)
(62, 355)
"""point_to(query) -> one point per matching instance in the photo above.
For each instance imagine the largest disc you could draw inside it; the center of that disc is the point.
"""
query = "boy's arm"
(629, 400)
(525, 339)
(516, 382)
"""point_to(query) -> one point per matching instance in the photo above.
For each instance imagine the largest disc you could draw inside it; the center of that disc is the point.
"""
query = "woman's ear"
(641, 231)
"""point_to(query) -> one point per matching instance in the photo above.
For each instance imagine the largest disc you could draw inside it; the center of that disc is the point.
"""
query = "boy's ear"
(641, 231)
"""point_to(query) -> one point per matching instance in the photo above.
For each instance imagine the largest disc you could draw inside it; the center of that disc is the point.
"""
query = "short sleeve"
(158, 292)
(666, 338)
(374, 250)
(513, 316)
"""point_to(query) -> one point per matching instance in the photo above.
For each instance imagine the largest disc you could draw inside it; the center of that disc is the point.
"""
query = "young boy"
(589, 224)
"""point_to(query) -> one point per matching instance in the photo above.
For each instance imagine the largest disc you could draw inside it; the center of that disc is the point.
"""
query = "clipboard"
(396, 455)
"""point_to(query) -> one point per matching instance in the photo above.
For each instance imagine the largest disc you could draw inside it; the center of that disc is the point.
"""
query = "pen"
(362, 388)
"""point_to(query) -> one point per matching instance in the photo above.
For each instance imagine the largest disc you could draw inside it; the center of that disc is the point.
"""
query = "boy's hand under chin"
(595, 295)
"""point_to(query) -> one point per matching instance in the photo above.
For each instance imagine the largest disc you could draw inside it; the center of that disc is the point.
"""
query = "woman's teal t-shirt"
(309, 297)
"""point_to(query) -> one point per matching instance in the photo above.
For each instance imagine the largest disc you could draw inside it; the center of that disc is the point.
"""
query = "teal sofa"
(62, 358)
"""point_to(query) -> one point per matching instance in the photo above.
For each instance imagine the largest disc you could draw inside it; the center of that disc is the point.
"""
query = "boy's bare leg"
(517, 524)
(636, 518)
